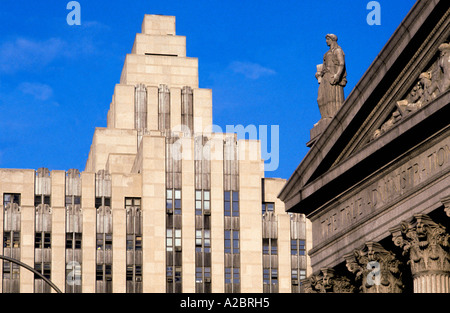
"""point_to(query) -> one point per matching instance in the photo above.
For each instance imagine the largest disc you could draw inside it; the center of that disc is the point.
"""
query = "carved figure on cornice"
(395, 117)
(432, 82)
(332, 78)
(376, 268)
(429, 85)
(444, 66)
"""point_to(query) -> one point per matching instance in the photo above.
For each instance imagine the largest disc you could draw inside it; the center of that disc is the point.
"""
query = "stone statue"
(444, 66)
(332, 77)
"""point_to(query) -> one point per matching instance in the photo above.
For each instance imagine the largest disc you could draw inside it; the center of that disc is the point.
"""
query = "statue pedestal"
(317, 130)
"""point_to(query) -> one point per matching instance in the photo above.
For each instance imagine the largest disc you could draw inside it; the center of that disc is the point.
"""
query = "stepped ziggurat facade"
(163, 204)
(375, 183)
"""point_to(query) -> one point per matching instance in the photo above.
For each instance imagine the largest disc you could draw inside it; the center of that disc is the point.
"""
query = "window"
(235, 241)
(274, 277)
(198, 202)
(47, 240)
(104, 241)
(69, 240)
(266, 276)
(42, 240)
(129, 273)
(73, 200)
(173, 201)
(268, 207)
(302, 274)
(177, 238)
(235, 203)
(207, 274)
(169, 240)
(134, 245)
(102, 201)
(130, 243)
(11, 198)
(41, 199)
(207, 242)
(227, 275)
(169, 273)
(177, 202)
(43, 269)
(198, 275)
(265, 246)
(274, 247)
(99, 272)
(206, 201)
(169, 200)
(138, 243)
(198, 237)
(73, 240)
(227, 205)
(78, 237)
(104, 272)
(14, 243)
(298, 247)
(301, 247)
(236, 275)
(178, 274)
(228, 241)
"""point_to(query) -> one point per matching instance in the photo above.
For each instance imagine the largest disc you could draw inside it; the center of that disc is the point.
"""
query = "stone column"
(427, 245)
(376, 268)
(327, 281)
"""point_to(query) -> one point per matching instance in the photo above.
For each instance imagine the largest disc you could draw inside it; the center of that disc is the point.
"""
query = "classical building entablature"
(397, 104)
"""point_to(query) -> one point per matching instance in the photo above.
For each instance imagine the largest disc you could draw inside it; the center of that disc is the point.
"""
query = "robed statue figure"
(332, 77)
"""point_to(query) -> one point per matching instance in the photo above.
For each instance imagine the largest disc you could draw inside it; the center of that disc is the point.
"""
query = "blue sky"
(259, 58)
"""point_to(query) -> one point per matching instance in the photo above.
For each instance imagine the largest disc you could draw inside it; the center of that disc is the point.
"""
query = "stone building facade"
(163, 205)
(376, 180)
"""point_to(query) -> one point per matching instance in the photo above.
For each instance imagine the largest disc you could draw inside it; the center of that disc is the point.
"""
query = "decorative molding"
(429, 85)
(327, 281)
(378, 269)
(426, 243)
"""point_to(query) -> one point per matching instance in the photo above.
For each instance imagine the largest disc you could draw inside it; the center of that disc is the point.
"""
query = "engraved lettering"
(386, 189)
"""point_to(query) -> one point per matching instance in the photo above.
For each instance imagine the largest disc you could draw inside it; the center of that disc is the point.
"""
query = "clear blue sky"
(259, 58)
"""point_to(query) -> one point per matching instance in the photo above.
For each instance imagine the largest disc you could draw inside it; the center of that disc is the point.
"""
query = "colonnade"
(423, 242)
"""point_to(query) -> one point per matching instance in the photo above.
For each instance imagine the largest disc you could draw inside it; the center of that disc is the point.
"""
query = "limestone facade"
(163, 204)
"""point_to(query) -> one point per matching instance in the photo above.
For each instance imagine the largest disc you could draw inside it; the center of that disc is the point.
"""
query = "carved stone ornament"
(426, 243)
(327, 281)
(376, 268)
(429, 85)
(332, 78)
(446, 202)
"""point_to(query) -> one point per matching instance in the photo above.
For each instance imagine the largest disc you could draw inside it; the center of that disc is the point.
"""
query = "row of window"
(173, 237)
(232, 241)
(173, 241)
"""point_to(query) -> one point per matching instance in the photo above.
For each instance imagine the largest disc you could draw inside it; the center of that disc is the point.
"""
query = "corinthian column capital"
(427, 245)
(376, 268)
(327, 281)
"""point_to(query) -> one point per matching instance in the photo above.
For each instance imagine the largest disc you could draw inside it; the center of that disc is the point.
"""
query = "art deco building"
(163, 205)
(376, 180)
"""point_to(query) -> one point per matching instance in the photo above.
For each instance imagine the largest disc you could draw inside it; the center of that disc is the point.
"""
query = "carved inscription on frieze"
(386, 190)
